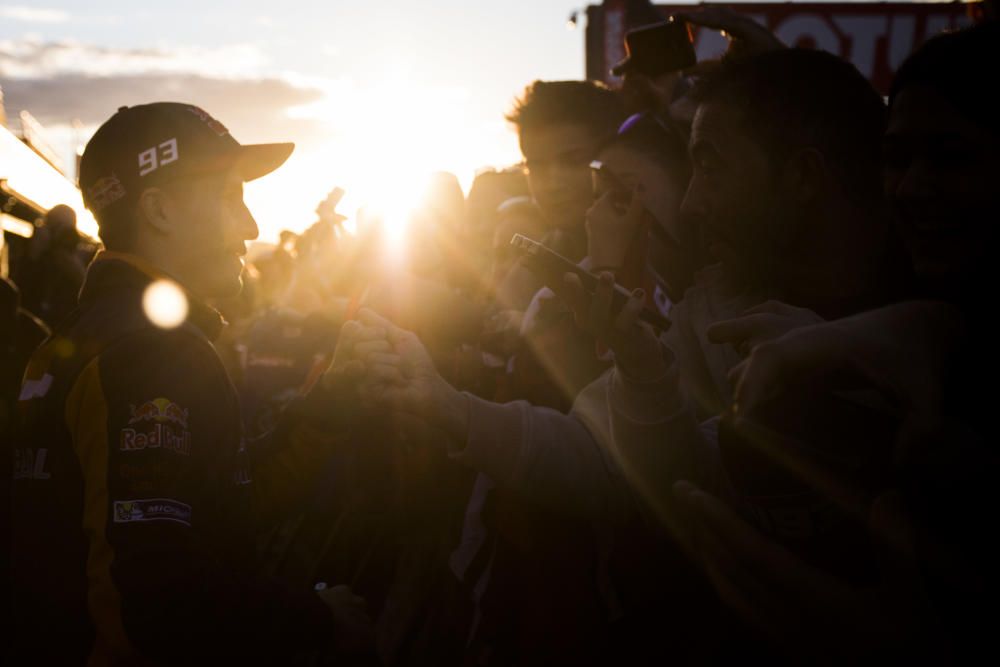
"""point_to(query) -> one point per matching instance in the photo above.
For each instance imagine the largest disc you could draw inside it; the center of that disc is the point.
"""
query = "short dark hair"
(801, 98)
(656, 139)
(116, 226)
(955, 65)
(118, 223)
(586, 103)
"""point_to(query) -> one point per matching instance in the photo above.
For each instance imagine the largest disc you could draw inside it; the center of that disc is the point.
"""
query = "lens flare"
(165, 304)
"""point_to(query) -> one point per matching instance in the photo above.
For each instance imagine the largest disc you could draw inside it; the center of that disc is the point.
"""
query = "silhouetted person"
(50, 281)
(137, 499)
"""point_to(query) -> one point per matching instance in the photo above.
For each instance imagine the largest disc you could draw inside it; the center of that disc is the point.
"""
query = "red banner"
(876, 37)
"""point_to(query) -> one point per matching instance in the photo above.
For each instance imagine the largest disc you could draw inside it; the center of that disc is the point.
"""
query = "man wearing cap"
(654, 57)
(136, 500)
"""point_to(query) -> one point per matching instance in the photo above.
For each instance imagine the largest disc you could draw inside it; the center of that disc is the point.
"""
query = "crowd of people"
(744, 419)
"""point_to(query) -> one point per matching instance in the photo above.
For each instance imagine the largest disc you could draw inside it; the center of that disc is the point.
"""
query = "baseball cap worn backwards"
(153, 144)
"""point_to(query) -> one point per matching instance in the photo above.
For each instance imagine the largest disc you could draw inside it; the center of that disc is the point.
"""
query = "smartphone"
(550, 266)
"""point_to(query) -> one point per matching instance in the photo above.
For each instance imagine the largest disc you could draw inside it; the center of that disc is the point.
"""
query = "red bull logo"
(166, 428)
(160, 410)
(104, 192)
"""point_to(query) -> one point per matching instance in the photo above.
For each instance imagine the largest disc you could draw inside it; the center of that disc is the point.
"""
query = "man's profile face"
(558, 159)
(940, 173)
(214, 226)
(732, 192)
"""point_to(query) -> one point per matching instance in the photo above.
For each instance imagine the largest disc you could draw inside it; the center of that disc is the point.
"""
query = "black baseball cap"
(156, 143)
(657, 49)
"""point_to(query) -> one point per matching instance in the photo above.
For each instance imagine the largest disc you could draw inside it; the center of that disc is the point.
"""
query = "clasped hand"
(393, 372)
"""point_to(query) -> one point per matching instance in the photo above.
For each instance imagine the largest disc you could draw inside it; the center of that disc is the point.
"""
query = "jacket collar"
(115, 271)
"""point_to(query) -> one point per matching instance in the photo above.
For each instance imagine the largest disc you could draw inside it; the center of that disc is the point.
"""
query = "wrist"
(453, 411)
(644, 363)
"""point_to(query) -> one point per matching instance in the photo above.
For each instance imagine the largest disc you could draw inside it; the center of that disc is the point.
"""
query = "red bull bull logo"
(161, 410)
(166, 427)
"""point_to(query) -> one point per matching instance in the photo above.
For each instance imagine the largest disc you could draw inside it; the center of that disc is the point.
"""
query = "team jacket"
(136, 502)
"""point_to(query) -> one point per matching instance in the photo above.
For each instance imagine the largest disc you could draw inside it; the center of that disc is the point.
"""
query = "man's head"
(561, 127)
(656, 55)
(60, 220)
(650, 156)
(942, 156)
(779, 140)
(165, 181)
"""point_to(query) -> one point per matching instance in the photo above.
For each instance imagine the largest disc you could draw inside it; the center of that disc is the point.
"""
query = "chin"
(232, 287)
(221, 287)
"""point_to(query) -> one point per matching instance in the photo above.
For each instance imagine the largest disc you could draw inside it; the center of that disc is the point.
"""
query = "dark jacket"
(136, 499)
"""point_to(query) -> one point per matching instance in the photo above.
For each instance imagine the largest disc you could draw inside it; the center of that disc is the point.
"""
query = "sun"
(385, 139)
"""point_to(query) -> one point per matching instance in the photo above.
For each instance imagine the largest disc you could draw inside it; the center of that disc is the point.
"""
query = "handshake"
(390, 371)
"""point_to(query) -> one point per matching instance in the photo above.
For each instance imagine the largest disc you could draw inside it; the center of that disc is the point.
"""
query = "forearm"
(549, 457)
(658, 440)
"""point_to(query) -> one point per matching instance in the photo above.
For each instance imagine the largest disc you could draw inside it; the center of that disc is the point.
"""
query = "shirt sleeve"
(555, 459)
(172, 570)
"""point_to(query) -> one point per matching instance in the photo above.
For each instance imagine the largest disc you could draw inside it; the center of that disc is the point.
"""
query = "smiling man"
(786, 185)
(136, 500)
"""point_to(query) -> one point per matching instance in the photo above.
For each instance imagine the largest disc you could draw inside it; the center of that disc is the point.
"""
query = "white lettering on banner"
(151, 160)
(614, 47)
(902, 32)
(875, 37)
(809, 27)
(937, 24)
(863, 33)
(710, 44)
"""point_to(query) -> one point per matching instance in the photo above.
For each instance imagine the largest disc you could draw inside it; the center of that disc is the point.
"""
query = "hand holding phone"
(639, 353)
(551, 267)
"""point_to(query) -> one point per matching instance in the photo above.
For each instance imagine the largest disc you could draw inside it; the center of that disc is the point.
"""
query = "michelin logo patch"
(152, 509)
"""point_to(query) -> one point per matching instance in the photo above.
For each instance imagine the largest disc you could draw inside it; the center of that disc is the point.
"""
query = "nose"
(693, 206)
(248, 226)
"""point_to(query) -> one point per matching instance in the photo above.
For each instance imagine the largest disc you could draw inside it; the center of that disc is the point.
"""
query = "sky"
(376, 95)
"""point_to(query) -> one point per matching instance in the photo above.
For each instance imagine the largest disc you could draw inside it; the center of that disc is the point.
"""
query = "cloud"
(33, 14)
(63, 81)
(247, 107)
(34, 58)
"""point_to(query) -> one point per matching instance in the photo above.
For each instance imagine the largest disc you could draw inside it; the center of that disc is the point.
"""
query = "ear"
(156, 209)
(806, 176)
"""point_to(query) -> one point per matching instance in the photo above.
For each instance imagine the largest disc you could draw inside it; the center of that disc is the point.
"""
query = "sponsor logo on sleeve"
(152, 509)
(159, 423)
